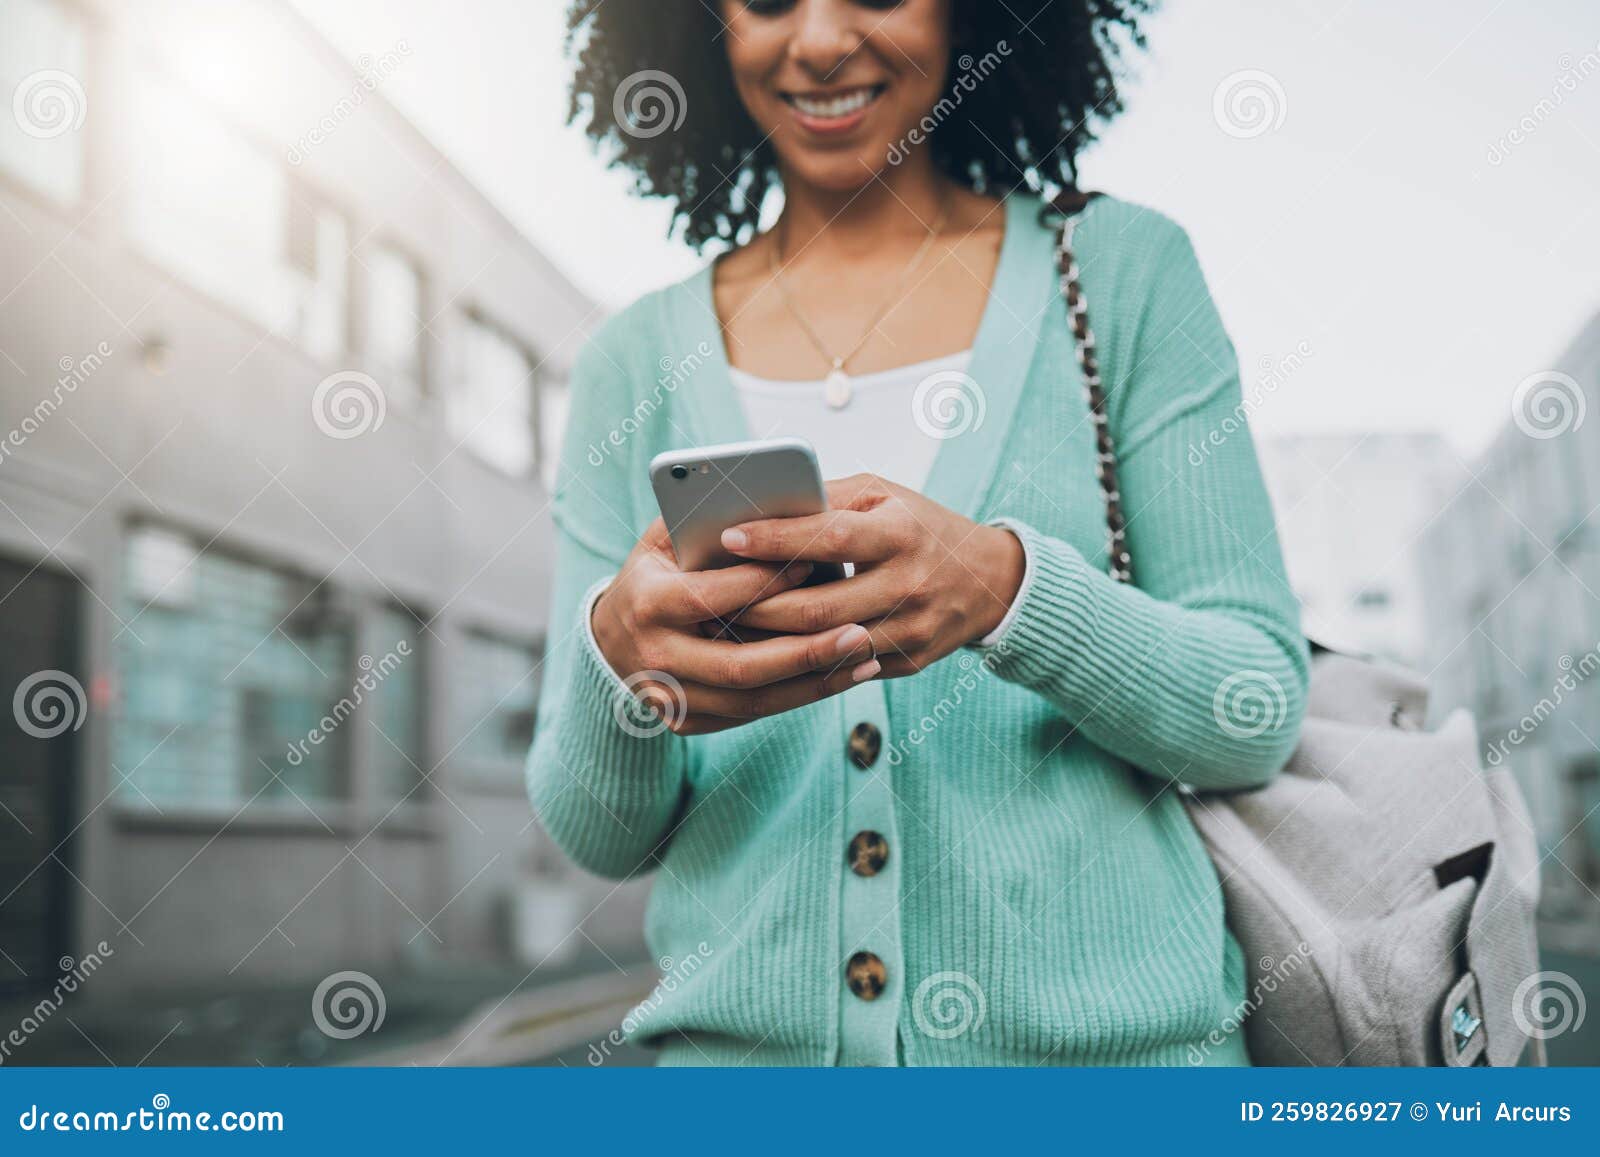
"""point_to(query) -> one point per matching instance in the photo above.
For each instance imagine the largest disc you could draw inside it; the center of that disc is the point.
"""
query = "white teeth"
(836, 106)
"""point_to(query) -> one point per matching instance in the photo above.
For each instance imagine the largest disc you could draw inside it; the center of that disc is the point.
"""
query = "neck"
(903, 202)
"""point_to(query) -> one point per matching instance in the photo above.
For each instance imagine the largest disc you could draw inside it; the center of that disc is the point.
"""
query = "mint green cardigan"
(1045, 899)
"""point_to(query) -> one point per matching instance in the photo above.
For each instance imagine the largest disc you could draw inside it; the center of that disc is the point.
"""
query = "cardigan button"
(868, 853)
(865, 743)
(866, 976)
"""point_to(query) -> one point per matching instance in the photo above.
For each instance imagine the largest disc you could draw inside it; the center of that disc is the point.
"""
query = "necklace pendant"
(836, 389)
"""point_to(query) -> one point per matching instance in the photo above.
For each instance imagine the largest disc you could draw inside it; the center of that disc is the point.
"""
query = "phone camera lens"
(680, 472)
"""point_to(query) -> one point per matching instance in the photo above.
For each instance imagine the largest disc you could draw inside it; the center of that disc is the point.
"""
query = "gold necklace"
(836, 387)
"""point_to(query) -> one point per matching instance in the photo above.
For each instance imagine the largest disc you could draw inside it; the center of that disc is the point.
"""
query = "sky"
(1413, 222)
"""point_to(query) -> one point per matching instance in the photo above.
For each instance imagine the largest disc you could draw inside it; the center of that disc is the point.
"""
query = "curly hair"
(643, 66)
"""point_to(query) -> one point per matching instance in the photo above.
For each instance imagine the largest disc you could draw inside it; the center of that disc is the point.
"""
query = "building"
(1512, 571)
(1350, 508)
(276, 388)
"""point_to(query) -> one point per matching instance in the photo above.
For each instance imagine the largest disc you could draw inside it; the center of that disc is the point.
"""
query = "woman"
(927, 814)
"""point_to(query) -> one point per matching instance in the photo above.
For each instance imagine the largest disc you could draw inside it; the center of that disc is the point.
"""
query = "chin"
(841, 171)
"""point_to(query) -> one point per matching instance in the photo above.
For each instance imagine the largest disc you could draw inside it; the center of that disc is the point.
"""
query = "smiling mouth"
(833, 106)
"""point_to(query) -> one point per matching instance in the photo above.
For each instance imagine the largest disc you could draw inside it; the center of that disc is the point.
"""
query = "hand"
(650, 624)
(927, 580)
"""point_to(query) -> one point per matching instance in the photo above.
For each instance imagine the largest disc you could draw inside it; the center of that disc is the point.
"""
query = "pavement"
(482, 1016)
(441, 1015)
(1580, 1044)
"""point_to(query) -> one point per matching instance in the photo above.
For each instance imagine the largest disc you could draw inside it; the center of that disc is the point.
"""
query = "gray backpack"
(1383, 885)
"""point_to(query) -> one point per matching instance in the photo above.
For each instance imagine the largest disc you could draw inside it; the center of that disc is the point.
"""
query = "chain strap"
(1070, 206)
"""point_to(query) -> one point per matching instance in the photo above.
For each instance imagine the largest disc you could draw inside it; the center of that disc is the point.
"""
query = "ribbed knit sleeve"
(1198, 672)
(606, 783)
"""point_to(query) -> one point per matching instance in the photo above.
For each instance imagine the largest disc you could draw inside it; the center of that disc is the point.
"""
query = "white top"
(876, 431)
(884, 428)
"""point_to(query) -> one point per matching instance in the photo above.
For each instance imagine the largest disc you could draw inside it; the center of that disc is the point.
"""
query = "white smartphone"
(705, 490)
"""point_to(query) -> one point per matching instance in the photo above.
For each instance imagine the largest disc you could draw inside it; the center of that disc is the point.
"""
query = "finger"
(761, 702)
(706, 724)
(900, 635)
(857, 492)
(832, 536)
(695, 596)
(721, 663)
(820, 608)
(654, 543)
(898, 666)
(736, 633)
(655, 535)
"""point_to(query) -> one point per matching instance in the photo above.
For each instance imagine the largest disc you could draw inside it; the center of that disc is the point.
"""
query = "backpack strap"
(1070, 206)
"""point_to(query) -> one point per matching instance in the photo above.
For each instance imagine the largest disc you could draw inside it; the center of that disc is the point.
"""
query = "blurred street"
(468, 1018)
(461, 1016)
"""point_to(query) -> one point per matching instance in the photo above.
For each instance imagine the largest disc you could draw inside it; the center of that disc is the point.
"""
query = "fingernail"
(866, 671)
(735, 539)
(799, 573)
(852, 638)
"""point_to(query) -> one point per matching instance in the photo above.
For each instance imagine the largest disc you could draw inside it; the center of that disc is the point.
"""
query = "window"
(235, 678)
(397, 698)
(498, 686)
(42, 81)
(208, 206)
(317, 244)
(223, 215)
(394, 322)
(491, 408)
